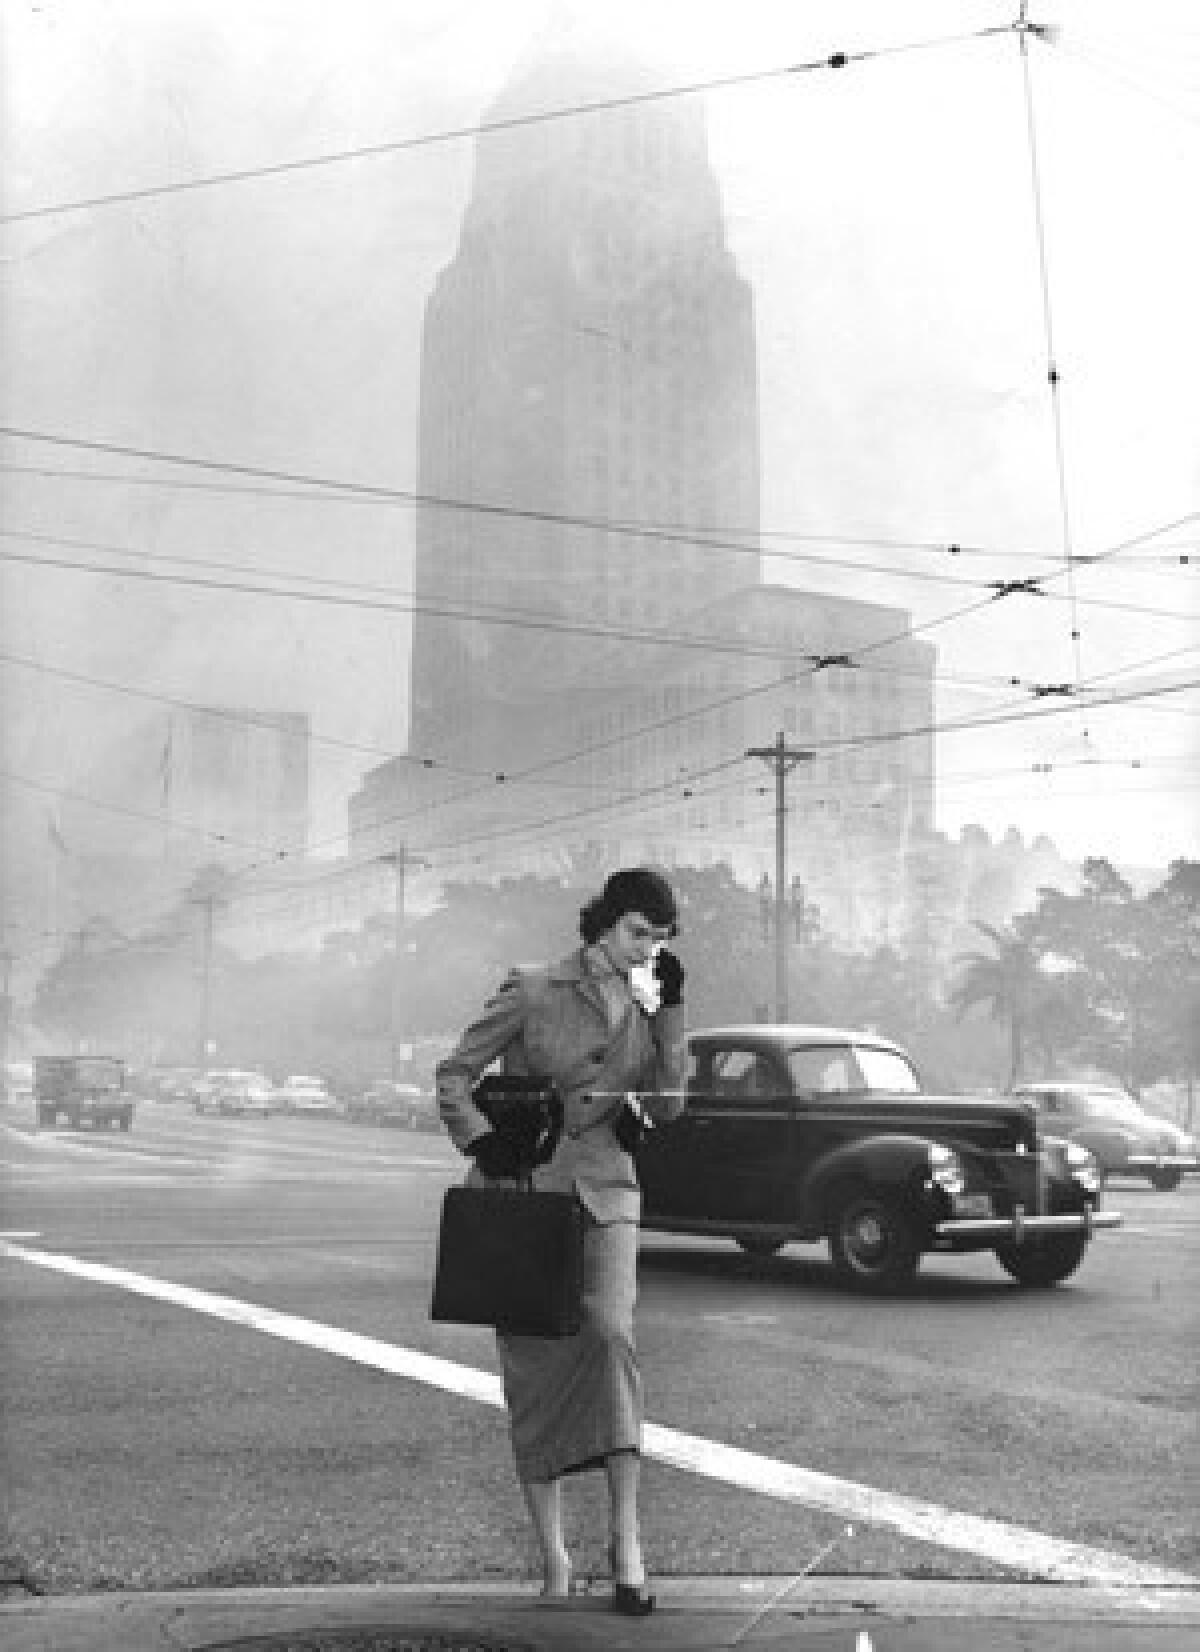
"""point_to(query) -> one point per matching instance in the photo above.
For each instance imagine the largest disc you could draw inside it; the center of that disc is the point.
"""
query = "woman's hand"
(669, 973)
(631, 1124)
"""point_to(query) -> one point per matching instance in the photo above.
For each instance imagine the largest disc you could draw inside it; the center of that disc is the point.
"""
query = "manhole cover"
(373, 1639)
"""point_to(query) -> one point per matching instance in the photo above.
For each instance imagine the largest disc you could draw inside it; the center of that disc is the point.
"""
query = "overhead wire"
(732, 541)
(1053, 376)
(822, 748)
(498, 124)
(726, 538)
(943, 619)
(394, 601)
(453, 853)
(1015, 711)
(1020, 712)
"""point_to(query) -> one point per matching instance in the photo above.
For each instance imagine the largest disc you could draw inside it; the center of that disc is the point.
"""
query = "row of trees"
(1101, 977)
(1097, 979)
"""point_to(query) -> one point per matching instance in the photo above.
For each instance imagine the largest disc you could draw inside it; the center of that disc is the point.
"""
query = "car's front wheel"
(1045, 1261)
(871, 1240)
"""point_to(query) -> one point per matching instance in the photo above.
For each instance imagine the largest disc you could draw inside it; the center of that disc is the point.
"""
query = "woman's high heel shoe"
(631, 1600)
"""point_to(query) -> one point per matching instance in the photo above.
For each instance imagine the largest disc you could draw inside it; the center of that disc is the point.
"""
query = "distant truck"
(88, 1089)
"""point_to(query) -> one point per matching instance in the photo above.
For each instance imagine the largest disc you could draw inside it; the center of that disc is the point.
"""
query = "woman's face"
(633, 941)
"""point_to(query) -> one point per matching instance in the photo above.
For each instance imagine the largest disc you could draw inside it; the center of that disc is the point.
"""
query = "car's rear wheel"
(871, 1240)
(1045, 1261)
(1166, 1178)
(758, 1244)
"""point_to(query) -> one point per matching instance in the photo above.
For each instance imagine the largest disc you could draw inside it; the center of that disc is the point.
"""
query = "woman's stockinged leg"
(543, 1498)
(623, 1470)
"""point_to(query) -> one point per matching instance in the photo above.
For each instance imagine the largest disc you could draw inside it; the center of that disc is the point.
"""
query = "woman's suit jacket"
(551, 1023)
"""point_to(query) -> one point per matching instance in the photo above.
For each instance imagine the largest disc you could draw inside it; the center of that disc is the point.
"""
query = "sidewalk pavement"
(814, 1614)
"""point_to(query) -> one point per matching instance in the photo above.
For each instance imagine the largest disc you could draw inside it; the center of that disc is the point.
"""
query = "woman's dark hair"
(634, 889)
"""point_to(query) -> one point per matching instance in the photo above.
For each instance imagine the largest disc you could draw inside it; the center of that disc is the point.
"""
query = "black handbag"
(512, 1257)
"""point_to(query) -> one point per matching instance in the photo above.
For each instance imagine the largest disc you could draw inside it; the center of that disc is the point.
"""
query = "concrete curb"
(697, 1614)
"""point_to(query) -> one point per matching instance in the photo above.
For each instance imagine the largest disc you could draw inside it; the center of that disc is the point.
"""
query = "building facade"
(594, 651)
(589, 385)
(235, 781)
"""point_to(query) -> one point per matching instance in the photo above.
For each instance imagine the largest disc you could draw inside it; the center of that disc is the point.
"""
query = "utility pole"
(207, 891)
(400, 859)
(207, 902)
(783, 759)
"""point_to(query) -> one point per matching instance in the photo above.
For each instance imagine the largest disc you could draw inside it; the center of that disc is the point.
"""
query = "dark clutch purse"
(512, 1257)
(527, 1112)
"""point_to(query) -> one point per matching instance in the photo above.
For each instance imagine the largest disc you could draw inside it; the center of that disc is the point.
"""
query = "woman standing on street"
(576, 1402)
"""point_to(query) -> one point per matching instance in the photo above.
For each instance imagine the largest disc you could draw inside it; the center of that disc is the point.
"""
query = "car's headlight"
(1082, 1166)
(945, 1169)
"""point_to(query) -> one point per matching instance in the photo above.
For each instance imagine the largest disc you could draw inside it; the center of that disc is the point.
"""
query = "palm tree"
(1009, 979)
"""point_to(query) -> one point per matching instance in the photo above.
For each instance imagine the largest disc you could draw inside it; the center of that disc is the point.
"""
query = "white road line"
(94, 1149)
(1018, 1547)
(249, 1160)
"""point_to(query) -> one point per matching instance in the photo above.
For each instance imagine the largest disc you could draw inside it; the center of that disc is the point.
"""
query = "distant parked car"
(390, 1101)
(231, 1090)
(171, 1084)
(303, 1093)
(1117, 1131)
(201, 1090)
(244, 1093)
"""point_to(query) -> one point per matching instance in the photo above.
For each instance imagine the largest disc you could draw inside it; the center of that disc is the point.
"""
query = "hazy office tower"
(588, 353)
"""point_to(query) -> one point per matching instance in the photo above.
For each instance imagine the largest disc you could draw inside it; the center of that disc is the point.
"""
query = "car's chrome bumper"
(1020, 1226)
(1164, 1161)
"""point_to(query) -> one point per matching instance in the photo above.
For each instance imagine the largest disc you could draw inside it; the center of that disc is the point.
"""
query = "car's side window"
(743, 1076)
(828, 1070)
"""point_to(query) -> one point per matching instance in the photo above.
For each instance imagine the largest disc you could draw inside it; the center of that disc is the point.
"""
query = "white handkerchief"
(646, 987)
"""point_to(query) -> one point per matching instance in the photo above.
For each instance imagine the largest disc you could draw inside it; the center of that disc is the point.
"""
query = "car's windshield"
(886, 1070)
(1112, 1104)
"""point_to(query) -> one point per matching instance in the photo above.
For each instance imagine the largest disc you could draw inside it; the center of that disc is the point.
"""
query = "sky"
(925, 232)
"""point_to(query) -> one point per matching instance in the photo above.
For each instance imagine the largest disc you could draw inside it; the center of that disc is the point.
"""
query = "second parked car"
(1117, 1131)
(306, 1094)
(243, 1093)
(391, 1101)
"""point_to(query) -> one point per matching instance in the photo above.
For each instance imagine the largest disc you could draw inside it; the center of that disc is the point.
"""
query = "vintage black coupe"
(822, 1133)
